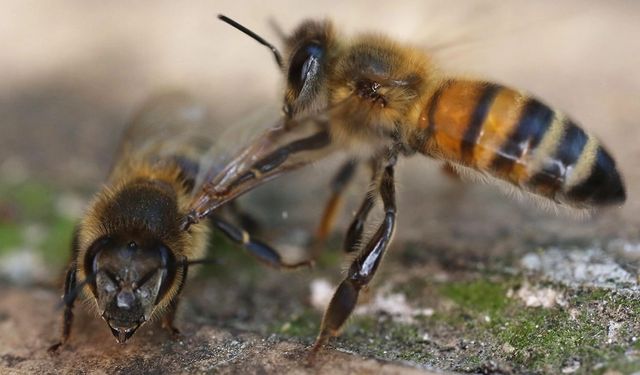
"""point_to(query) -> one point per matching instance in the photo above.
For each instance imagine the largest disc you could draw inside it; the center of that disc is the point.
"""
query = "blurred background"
(73, 72)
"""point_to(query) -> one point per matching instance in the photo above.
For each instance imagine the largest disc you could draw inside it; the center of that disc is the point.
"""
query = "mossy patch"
(304, 324)
(10, 237)
(478, 327)
(620, 366)
(549, 337)
(414, 288)
(543, 339)
(331, 256)
(33, 201)
(481, 296)
(56, 248)
(381, 337)
(33, 204)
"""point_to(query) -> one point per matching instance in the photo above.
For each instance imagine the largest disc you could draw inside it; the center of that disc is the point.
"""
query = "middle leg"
(257, 248)
(243, 218)
(338, 186)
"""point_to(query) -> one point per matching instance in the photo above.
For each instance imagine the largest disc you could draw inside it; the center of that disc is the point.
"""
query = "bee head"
(131, 276)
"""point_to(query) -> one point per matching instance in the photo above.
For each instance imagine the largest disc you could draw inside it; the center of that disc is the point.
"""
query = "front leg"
(256, 248)
(168, 318)
(254, 167)
(69, 297)
(363, 268)
(245, 219)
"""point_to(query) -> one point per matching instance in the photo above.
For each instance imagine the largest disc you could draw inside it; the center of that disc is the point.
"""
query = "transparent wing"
(167, 126)
(176, 127)
(230, 139)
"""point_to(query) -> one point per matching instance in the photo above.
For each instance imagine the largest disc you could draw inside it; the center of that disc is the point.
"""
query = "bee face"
(307, 50)
(131, 277)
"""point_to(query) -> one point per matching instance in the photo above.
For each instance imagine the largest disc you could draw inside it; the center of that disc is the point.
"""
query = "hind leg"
(364, 266)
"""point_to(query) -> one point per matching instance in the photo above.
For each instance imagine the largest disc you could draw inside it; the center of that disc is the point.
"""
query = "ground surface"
(474, 282)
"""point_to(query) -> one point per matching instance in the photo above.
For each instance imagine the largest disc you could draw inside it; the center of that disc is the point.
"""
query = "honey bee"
(129, 255)
(379, 100)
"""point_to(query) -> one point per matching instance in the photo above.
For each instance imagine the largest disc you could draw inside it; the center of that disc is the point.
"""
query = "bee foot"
(53, 349)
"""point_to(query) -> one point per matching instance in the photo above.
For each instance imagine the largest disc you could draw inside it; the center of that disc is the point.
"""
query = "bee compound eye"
(305, 64)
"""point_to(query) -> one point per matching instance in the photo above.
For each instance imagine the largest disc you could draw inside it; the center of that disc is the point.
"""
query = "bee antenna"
(275, 26)
(253, 35)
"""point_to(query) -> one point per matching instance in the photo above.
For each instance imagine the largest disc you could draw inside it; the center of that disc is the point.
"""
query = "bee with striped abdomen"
(380, 100)
(130, 256)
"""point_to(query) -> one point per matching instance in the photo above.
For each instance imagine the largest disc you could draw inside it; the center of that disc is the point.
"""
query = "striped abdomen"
(518, 139)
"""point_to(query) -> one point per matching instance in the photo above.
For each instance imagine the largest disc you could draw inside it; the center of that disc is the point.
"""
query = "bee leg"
(257, 248)
(245, 219)
(291, 156)
(67, 315)
(354, 233)
(363, 267)
(169, 317)
(338, 185)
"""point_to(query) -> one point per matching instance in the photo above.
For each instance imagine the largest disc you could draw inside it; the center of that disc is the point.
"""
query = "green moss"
(543, 339)
(414, 288)
(480, 296)
(34, 200)
(547, 337)
(56, 248)
(384, 338)
(10, 237)
(331, 257)
(622, 365)
(457, 319)
(588, 296)
(34, 204)
(633, 304)
(302, 325)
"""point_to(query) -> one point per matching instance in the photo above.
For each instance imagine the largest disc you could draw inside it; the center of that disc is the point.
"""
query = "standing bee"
(129, 254)
(380, 100)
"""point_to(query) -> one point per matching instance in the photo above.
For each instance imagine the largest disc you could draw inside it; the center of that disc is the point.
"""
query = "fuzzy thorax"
(376, 87)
